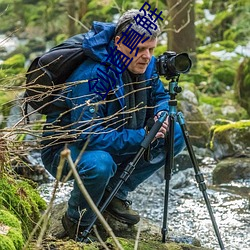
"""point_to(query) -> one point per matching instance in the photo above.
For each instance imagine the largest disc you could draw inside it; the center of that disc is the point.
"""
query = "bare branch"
(79, 22)
(66, 154)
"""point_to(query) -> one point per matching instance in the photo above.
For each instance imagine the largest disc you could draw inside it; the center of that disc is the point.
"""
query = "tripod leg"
(168, 173)
(199, 176)
(129, 168)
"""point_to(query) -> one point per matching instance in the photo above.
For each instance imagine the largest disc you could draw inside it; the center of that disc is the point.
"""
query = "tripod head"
(174, 89)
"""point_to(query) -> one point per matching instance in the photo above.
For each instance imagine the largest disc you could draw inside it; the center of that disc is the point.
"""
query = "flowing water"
(187, 212)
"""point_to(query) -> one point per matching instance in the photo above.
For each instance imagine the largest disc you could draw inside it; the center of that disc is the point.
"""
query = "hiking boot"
(121, 211)
(75, 231)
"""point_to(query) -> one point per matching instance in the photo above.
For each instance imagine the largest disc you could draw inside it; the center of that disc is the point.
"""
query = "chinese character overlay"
(119, 60)
(130, 38)
(153, 12)
(148, 23)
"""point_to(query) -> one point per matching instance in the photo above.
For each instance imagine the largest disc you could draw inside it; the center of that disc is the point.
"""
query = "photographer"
(109, 114)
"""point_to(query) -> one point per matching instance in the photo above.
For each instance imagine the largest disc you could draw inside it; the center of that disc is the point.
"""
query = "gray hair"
(128, 18)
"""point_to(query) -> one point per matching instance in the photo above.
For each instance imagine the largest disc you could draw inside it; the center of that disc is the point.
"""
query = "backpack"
(47, 74)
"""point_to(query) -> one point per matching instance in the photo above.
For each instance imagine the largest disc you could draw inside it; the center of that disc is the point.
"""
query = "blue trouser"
(99, 171)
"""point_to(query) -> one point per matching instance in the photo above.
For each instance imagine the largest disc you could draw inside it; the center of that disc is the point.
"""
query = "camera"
(171, 65)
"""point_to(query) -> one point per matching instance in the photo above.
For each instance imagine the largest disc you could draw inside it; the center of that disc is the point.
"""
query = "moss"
(13, 239)
(220, 24)
(9, 219)
(235, 125)
(219, 103)
(13, 71)
(16, 61)
(228, 45)
(14, 66)
(22, 200)
(6, 243)
(128, 244)
(225, 75)
(242, 84)
(214, 101)
(221, 132)
(16, 237)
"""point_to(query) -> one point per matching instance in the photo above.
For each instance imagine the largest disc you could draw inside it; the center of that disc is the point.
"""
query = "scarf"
(135, 99)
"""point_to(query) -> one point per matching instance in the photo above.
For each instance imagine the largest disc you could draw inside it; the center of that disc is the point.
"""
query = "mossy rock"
(10, 231)
(232, 139)
(150, 235)
(225, 75)
(231, 169)
(197, 125)
(219, 107)
(13, 70)
(22, 200)
(16, 61)
(128, 244)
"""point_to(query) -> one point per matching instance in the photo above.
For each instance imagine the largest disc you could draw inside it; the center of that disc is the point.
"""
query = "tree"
(181, 26)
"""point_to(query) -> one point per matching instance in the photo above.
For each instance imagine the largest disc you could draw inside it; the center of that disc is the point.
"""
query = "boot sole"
(121, 219)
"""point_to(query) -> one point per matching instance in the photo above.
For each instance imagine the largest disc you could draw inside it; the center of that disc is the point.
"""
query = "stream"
(187, 212)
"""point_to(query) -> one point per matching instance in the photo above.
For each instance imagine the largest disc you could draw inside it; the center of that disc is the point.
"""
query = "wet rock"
(190, 96)
(231, 169)
(149, 238)
(181, 179)
(231, 139)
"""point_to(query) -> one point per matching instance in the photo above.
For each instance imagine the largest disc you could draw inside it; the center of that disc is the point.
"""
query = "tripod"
(173, 90)
(169, 163)
(129, 168)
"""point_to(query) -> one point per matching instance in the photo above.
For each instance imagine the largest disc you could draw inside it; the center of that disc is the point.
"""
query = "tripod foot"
(164, 232)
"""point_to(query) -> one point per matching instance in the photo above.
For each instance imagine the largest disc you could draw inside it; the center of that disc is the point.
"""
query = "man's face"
(141, 61)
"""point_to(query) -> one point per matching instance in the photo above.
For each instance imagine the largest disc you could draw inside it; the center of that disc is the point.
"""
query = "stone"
(231, 169)
(197, 125)
(150, 235)
(230, 140)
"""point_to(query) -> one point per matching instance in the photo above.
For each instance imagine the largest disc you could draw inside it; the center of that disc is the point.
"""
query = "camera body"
(171, 65)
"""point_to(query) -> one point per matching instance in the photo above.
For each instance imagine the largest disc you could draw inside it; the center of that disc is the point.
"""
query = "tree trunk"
(72, 13)
(83, 7)
(181, 28)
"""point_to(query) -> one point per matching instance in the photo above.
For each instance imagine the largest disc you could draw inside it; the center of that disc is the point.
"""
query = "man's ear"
(116, 41)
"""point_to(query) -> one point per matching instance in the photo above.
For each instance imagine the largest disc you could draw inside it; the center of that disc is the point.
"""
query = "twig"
(137, 236)
(99, 238)
(45, 217)
(66, 154)
(77, 21)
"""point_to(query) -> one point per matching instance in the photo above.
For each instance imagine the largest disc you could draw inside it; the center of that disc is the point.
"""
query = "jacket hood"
(98, 39)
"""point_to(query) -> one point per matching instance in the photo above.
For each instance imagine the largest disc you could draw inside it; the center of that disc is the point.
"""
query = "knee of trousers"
(97, 165)
(179, 142)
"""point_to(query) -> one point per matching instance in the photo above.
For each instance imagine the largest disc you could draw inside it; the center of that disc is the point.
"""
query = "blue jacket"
(89, 117)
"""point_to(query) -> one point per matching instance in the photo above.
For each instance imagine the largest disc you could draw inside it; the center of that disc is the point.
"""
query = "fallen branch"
(66, 155)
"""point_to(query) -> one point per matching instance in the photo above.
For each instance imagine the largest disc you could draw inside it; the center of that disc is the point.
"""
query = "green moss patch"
(22, 200)
(128, 244)
(230, 139)
(10, 231)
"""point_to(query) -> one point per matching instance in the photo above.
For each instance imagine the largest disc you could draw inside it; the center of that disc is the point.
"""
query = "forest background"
(216, 35)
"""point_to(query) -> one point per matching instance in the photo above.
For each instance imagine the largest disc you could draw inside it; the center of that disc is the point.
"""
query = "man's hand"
(164, 128)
